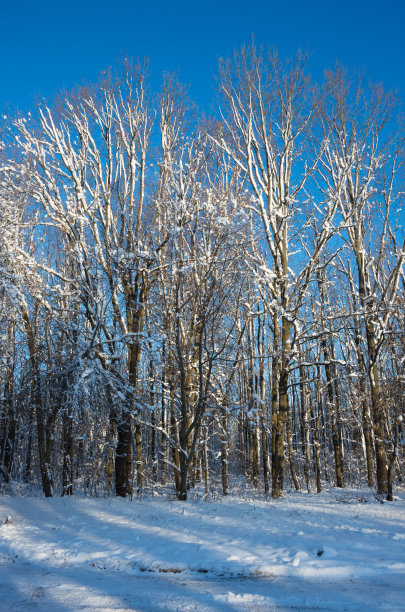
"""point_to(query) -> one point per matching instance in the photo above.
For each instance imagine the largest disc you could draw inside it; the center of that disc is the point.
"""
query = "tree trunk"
(378, 413)
(123, 456)
(333, 400)
(44, 436)
(67, 476)
(291, 457)
(305, 429)
(283, 413)
(224, 450)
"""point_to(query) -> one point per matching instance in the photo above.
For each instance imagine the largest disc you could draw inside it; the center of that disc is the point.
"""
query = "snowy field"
(340, 550)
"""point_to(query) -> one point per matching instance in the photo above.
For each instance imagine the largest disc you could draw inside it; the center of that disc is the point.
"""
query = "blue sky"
(47, 46)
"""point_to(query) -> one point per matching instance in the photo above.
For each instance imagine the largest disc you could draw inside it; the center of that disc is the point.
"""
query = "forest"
(192, 300)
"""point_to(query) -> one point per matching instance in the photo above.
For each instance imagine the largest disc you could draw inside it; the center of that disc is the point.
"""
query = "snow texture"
(340, 550)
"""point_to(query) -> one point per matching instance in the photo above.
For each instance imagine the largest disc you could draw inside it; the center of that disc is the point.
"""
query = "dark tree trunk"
(67, 474)
(123, 456)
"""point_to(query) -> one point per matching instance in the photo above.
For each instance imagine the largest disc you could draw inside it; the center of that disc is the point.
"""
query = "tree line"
(189, 299)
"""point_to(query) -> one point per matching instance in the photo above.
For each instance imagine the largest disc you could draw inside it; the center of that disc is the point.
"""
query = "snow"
(339, 550)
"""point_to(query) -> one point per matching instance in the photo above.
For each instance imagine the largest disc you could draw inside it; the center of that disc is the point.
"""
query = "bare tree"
(201, 275)
(88, 171)
(268, 118)
(362, 165)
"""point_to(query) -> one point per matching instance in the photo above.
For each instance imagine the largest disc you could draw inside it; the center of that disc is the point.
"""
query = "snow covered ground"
(340, 550)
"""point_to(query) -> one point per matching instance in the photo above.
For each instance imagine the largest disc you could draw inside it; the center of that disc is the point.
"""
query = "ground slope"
(341, 550)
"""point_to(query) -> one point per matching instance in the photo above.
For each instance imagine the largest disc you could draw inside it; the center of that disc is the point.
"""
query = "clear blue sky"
(46, 46)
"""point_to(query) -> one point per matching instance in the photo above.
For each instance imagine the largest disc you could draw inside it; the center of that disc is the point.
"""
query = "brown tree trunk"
(175, 436)
(305, 429)
(123, 456)
(224, 450)
(44, 436)
(291, 457)
(377, 411)
(283, 413)
(274, 408)
(67, 475)
(367, 431)
(135, 315)
(283, 410)
(111, 449)
(263, 428)
(318, 419)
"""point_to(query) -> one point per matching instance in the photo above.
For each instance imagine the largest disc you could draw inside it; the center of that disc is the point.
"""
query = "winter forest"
(191, 300)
